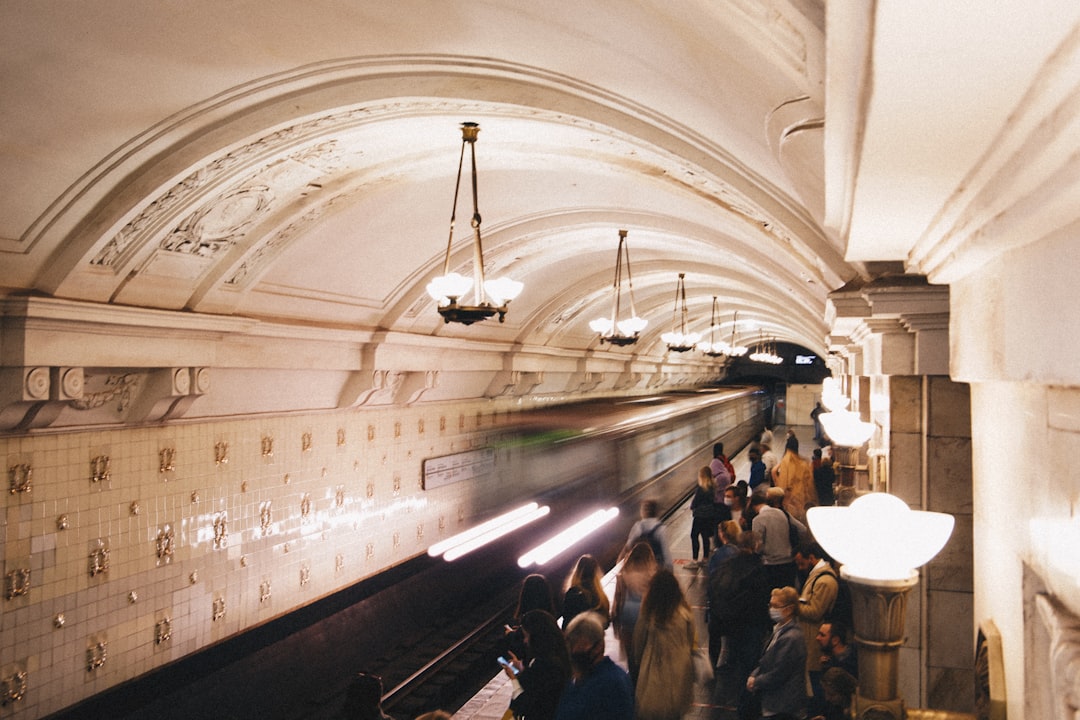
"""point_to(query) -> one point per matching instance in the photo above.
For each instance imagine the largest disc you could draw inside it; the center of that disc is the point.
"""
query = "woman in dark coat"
(539, 683)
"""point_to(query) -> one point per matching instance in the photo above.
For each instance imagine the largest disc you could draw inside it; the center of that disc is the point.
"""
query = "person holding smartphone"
(539, 682)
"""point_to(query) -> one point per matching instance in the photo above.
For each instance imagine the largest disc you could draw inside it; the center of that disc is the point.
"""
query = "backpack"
(842, 609)
(654, 542)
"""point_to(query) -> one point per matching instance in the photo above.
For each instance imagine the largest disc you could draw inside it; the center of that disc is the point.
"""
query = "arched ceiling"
(299, 165)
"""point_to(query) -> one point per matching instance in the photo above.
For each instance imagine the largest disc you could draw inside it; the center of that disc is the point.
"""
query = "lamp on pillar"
(491, 296)
(844, 428)
(880, 541)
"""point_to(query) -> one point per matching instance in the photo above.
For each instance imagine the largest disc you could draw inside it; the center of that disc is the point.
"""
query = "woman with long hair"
(539, 682)
(535, 594)
(664, 643)
(705, 513)
(631, 582)
(585, 591)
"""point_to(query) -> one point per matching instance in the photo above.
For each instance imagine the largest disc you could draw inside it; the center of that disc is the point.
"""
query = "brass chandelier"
(614, 330)
(489, 296)
(679, 340)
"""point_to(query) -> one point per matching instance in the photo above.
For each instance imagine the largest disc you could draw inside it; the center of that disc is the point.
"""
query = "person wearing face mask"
(779, 680)
(598, 689)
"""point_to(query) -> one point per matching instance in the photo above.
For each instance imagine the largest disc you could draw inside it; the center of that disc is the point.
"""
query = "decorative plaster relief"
(96, 652)
(163, 630)
(217, 609)
(1064, 630)
(221, 453)
(221, 531)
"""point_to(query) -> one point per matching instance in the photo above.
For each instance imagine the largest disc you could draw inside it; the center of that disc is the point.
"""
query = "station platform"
(714, 701)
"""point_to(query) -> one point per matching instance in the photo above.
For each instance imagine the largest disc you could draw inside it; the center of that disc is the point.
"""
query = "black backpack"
(842, 608)
(649, 536)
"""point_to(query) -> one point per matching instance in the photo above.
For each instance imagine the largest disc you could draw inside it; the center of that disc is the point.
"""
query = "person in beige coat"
(664, 642)
(816, 600)
(796, 477)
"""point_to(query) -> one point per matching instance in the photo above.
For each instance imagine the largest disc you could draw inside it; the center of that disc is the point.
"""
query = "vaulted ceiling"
(293, 163)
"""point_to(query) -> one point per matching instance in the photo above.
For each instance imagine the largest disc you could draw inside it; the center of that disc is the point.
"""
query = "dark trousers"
(782, 575)
(704, 528)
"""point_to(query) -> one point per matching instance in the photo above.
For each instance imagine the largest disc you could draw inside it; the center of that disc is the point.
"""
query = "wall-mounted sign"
(450, 469)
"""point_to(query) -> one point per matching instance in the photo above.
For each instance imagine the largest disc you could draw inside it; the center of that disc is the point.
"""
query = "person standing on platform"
(598, 688)
(735, 502)
(768, 457)
(722, 470)
(778, 535)
(824, 478)
(538, 683)
(585, 591)
(795, 477)
(779, 680)
(834, 639)
(649, 529)
(664, 643)
(535, 594)
(707, 514)
(738, 597)
(757, 469)
(630, 585)
(815, 602)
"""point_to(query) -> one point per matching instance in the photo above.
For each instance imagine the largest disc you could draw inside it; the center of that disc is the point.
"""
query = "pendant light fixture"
(490, 296)
(615, 330)
(734, 350)
(711, 347)
(679, 340)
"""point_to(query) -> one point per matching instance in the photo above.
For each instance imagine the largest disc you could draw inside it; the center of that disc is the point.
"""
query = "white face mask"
(776, 614)
(729, 501)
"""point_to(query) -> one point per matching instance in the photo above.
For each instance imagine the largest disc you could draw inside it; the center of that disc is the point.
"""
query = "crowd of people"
(777, 612)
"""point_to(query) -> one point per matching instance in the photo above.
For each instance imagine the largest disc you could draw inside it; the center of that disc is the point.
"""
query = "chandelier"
(489, 296)
(716, 348)
(710, 347)
(678, 340)
(766, 352)
(614, 330)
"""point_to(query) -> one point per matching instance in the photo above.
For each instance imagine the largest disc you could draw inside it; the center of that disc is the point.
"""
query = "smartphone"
(507, 664)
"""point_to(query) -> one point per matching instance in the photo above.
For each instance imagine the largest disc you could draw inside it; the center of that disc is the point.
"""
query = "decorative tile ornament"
(13, 687)
(163, 630)
(167, 458)
(59, 621)
(100, 472)
(16, 583)
(62, 522)
(96, 654)
(221, 531)
(134, 508)
(264, 518)
(267, 446)
(339, 497)
(305, 442)
(341, 437)
(164, 544)
(218, 609)
(305, 575)
(20, 476)
(99, 558)
(264, 591)
(305, 506)
(221, 453)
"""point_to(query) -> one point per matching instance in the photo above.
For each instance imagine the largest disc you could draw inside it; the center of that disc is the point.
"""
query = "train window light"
(559, 543)
(464, 542)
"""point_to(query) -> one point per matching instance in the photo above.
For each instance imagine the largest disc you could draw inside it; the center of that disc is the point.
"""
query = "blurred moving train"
(572, 459)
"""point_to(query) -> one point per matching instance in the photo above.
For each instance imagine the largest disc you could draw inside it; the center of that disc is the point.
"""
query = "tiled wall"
(124, 550)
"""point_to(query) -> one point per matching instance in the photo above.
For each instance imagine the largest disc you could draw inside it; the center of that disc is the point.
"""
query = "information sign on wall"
(454, 468)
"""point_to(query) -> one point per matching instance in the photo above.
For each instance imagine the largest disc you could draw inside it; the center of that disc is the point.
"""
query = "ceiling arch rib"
(256, 202)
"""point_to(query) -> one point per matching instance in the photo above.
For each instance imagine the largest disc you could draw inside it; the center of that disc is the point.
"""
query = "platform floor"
(715, 701)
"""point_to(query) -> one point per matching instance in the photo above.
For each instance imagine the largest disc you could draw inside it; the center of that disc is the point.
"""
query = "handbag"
(703, 669)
